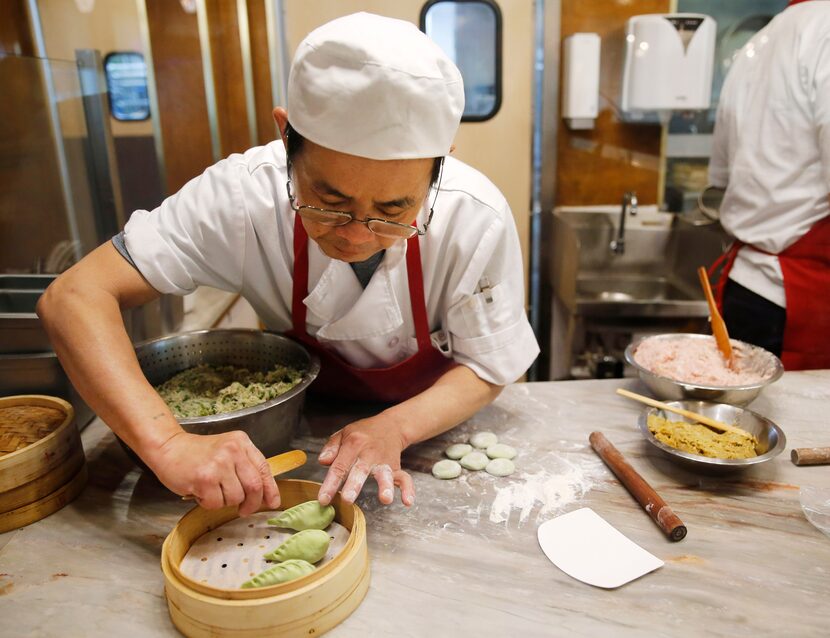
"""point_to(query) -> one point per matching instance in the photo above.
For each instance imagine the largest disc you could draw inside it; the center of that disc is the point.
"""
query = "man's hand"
(370, 446)
(218, 469)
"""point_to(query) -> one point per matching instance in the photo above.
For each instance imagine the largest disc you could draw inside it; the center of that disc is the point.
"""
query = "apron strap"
(725, 263)
(416, 291)
(300, 283)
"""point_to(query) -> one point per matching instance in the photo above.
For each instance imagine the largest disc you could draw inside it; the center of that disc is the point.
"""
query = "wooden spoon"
(718, 326)
(705, 420)
(279, 464)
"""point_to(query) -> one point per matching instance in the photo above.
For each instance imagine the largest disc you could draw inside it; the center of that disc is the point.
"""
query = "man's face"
(392, 190)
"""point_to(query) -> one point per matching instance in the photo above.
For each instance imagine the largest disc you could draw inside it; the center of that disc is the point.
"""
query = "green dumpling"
(308, 515)
(309, 545)
(282, 573)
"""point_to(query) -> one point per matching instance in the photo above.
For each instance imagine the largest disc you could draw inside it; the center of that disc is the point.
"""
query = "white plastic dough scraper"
(586, 547)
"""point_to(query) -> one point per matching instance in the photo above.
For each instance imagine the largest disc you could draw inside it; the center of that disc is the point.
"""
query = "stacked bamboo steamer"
(42, 463)
(307, 606)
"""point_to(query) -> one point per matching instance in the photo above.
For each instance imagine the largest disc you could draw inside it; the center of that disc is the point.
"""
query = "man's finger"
(330, 449)
(386, 483)
(209, 496)
(251, 481)
(232, 492)
(270, 491)
(404, 482)
(357, 477)
(337, 474)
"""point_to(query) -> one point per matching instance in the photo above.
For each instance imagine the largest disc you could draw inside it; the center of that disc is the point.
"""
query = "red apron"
(342, 380)
(806, 269)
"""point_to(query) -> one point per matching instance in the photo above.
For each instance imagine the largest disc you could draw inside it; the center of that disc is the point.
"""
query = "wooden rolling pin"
(654, 506)
(810, 456)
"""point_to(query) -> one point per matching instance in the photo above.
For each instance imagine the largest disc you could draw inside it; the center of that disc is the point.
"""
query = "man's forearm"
(88, 334)
(455, 397)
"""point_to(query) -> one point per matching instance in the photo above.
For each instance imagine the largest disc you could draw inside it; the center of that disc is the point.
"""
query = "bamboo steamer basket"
(307, 606)
(44, 475)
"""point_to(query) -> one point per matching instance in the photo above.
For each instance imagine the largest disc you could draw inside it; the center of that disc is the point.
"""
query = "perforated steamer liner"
(306, 606)
(233, 553)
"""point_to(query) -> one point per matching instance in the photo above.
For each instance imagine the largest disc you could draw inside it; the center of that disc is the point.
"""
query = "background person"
(772, 154)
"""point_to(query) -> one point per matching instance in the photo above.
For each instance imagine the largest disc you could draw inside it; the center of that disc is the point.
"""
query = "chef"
(358, 235)
(772, 155)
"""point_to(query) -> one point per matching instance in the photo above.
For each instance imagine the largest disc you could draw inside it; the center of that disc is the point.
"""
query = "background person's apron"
(806, 269)
(338, 378)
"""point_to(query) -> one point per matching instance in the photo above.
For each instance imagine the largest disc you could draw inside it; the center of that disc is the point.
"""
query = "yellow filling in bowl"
(699, 439)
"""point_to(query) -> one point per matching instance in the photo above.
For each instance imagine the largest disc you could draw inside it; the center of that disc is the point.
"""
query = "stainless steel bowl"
(270, 425)
(764, 363)
(771, 439)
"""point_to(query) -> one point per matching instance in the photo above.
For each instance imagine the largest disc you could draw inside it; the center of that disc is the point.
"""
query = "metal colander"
(270, 425)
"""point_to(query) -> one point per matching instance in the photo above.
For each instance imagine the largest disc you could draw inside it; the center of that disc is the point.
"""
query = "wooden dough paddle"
(718, 325)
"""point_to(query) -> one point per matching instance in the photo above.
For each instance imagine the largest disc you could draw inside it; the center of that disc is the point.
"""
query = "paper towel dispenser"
(669, 59)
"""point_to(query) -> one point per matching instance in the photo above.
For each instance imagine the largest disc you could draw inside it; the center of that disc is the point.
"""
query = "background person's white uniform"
(772, 142)
(232, 228)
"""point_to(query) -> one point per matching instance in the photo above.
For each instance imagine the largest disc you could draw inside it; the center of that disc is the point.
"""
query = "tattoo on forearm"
(158, 416)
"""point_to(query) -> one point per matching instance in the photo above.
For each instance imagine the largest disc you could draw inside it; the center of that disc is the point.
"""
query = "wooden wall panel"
(226, 53)
(263, 96)
(183, 115)
(597, 166)
(15, 35)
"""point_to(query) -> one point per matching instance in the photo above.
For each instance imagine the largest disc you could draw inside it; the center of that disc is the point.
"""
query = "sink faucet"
(629, 204)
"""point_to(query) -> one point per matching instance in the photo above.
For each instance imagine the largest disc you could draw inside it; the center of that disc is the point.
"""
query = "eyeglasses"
(380, 227)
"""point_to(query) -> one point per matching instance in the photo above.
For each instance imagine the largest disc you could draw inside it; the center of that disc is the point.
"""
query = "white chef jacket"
(771, 146)
(232, 228)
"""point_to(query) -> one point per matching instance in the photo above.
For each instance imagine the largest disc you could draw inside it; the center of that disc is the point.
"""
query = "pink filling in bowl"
(695, 360)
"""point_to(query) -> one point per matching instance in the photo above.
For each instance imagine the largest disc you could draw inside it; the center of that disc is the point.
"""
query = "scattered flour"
(551, 491)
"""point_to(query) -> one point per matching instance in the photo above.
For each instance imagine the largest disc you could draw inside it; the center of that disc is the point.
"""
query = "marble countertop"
(464, 559)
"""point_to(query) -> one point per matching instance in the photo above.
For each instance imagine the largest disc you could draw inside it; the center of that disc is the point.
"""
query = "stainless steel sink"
(655, 276)
(636, 295)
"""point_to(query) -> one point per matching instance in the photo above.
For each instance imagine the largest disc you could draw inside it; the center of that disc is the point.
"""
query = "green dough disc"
(474, 461)
(446, 469)
(500, 467)
(458, 450)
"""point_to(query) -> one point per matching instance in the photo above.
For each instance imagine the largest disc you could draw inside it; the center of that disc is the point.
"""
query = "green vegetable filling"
(205, 390)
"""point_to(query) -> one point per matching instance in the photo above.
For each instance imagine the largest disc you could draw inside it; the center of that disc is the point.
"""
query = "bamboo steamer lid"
(40, 456)
(307, 606)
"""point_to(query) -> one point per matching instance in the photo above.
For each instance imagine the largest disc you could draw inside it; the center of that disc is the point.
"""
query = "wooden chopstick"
(705, 420)
(639, 488)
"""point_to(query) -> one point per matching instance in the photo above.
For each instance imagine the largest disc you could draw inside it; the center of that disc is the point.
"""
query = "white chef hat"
(375, 87)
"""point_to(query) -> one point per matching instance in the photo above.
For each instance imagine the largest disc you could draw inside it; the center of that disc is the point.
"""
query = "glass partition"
(46, 220)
